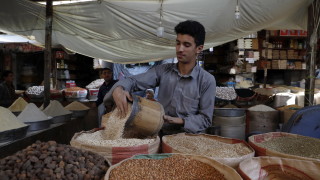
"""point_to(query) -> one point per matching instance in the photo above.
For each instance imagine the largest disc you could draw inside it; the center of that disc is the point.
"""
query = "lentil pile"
(176, 167)
(200, 145)
(97, 139)
(49, 160)
(298, 146)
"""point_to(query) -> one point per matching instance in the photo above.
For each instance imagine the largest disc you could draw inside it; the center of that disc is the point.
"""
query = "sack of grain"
(171, 166)
(286, 112)
(114, 151)
(225, 150)
(262, 119)
(279, 168)
(286, 145)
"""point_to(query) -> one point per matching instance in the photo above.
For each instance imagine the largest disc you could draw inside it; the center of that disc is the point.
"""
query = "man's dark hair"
(192, 28)
(6, 74)
(106, 69)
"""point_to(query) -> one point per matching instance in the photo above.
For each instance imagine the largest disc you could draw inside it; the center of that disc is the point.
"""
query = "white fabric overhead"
(125, 31)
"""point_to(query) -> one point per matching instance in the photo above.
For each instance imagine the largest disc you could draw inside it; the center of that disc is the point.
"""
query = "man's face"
(107, 75)
(186, 49)
(149, 95)
(9, 78)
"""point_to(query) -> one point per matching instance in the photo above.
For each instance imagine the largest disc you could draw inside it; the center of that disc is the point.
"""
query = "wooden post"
(310, 61)
(265, 69)
(47, 53)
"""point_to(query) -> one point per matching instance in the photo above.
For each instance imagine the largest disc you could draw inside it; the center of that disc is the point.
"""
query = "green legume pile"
(298, 146)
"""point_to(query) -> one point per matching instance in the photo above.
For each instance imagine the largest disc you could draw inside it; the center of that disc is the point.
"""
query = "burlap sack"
(232, 162)
(279, 168)
(228, 172)
(116, 154)
(260, 151)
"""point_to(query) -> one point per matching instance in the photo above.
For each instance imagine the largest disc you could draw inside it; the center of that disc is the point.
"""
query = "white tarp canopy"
(124, 31)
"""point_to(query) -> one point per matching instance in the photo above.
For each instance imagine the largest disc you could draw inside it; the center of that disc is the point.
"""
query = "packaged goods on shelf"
(75, 92)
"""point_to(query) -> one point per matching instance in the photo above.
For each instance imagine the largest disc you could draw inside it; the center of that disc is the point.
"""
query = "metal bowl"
(39, 125)
(229, 112)
(13, 134)
(80, 113)
(61, 119)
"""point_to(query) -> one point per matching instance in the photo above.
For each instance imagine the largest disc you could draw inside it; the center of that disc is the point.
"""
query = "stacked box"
(279, 64)
(283, 54)
(298, 65)
(275, 54)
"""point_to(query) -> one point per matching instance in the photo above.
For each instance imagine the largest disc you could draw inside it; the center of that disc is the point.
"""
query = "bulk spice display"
(49, 160)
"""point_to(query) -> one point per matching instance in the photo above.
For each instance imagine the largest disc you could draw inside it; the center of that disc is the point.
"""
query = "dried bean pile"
(298, 146)
(176, 167)
(49, 160)
(207, 147)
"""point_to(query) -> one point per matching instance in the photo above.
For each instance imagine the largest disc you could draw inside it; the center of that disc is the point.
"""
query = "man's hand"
(173, 120)
(120, 97)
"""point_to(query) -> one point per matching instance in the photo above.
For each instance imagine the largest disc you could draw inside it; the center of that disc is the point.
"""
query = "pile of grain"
(264, 91)
(298, 146)
(176, 167)
(76, 106)
(97, 139)
(49, 160)
(200, 145)
(55, 109)
(95, 84)
(115, 125)
(18, 105)
(280, 90)
(32, 114)
(9, 121)
(261, 107)
(226, 93)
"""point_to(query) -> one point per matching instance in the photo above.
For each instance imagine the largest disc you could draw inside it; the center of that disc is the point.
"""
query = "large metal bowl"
(229, 112)
(13, 134)
(61, 119)
(80, 113)
(39, 125)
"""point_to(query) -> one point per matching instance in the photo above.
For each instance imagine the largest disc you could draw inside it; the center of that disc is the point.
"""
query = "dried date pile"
(49, 160)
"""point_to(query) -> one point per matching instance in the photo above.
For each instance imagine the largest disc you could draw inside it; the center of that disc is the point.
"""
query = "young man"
(107, 75)
(7, 90)
(186, 91)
